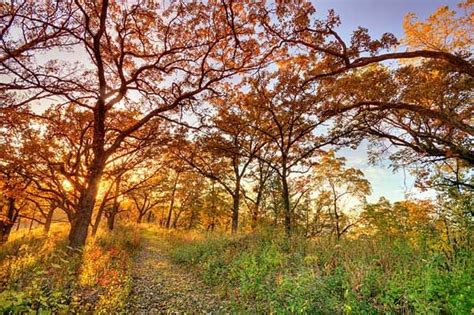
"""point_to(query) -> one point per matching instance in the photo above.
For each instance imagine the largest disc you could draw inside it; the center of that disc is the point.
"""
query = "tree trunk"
(140, 217)
(150, 215)
(5, 229)
(115, 207)
(18, 224)
(111, 216)
(236, 196)
(306, 233)
(111, 221)
(100, 212)
(32, 220)
(286, 203)
(162, 219)
(256, 210)
(82, 218)
(170, 212)
(263, 177)
(49, 220)
(7, 224)
(235, 209)
(276, 213)
(95, 226)
(176, 218)
(336, 214)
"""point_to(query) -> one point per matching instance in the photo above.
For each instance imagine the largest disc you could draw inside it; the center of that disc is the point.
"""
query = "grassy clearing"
(42, 274)
(265, 273)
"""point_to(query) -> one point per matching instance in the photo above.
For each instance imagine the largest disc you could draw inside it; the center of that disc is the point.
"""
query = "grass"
(265, 273)
(41, 274)
(261, 272)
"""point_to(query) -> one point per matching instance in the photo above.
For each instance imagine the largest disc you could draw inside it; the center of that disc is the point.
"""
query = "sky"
(379, 16)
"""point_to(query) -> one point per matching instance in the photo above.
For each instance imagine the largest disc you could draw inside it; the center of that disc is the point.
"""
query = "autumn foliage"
(230, 116)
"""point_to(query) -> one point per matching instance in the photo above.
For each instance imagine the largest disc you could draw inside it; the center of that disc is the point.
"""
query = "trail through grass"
(160, 286)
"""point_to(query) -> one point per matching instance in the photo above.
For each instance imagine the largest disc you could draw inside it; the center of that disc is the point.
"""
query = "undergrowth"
(41, 274)
(266, 273)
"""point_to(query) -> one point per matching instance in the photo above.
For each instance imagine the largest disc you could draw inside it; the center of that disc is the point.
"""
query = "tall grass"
(41, 274)
(265, 273)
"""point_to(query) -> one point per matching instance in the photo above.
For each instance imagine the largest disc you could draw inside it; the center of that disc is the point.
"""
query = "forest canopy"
(228, 117)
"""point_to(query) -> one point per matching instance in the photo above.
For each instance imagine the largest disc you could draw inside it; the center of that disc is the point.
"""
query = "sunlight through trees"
(122, 122)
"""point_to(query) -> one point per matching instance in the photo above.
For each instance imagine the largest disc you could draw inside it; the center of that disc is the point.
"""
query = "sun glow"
(67, 185)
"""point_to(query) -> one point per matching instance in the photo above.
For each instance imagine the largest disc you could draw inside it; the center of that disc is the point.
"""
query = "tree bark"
(111, 221)
(235, 208)
(18, 223)
(162, 218)
(286, 202)
(115, 207)
(170, 212)
(256, 210)
(336, 218)
(7, 224)
(112, 214)
(150, 216)
(140, 217)
(32, 220)
(5, 229)
(82, 218)
(176, 218)
(263, 177)
(49, 220)
(236, 196)
(336, 213)
(95, 226)
(100, 212)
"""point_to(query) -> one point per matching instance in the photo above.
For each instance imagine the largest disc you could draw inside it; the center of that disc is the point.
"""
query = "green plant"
(267, 273)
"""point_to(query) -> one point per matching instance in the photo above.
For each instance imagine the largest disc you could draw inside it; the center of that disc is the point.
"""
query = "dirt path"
(159, 286)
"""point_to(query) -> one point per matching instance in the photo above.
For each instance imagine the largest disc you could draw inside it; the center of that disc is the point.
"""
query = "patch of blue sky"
(379, 17)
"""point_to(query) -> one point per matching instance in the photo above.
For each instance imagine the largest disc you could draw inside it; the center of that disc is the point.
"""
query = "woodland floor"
(159, 286)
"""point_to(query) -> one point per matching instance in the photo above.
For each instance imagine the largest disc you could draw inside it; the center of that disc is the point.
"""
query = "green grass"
(260, 273)
(266, 273)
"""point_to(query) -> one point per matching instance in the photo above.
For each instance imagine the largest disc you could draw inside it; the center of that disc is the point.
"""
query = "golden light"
(67, 185)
